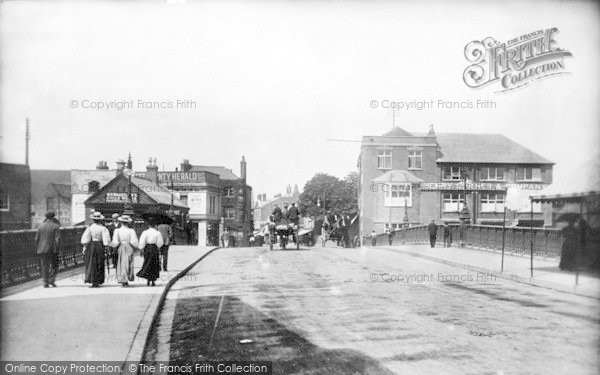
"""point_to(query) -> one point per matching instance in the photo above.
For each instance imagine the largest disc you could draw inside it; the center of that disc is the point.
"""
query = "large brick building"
(15, 196)
(414, 178)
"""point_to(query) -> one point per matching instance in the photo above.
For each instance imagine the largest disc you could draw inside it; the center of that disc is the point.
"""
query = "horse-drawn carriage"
(285, 230)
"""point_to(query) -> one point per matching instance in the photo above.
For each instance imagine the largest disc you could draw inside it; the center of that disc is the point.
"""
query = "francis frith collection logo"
(515, 63)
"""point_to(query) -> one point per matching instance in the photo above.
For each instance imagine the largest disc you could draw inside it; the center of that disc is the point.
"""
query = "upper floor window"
(229, 191)
(4, 202)
(529, 174)
(398, 195)
(451, 173)
(229, 213)
(384, 159)
(93, 186)
(492, 174)
(212, 204)
(415, 159)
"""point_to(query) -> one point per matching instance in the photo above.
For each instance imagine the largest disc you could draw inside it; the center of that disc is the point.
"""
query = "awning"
(304, 231)
(399, 176)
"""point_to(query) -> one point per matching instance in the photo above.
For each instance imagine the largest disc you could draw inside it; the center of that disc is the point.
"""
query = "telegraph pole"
(27, 138)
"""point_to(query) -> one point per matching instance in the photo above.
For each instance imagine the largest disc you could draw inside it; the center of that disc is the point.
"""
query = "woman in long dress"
(125, 240)
(94, 239)
(150, 241)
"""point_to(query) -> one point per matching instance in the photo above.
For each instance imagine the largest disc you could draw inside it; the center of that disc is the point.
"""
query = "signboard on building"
(120, 197)
(197, 203)
(478, 186)
(78, 207)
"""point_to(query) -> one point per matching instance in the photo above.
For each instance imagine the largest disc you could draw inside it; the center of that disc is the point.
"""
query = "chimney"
(185, 166)
(152, 171)
(243, 168)
(102, 165)
(120, 166)
(431, 132)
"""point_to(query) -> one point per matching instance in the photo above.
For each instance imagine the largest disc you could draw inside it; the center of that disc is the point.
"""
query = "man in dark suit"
(294, 214)
(432, 228)
(46, 240)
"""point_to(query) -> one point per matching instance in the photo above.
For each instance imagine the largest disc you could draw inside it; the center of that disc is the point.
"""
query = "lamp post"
(405, 222)
(464, 215)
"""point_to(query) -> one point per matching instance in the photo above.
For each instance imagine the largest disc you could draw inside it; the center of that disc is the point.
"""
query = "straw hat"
(115, 215)
(97, 216)
(125, 219)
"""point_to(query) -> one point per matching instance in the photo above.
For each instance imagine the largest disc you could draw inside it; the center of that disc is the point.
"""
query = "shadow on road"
(290, 353)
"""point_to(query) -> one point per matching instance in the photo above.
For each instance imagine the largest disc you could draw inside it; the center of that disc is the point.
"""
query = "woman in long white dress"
(125, 240)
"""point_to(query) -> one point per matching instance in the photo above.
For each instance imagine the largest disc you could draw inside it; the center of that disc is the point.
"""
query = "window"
(453, 202)
(212, 204)
(229, 191)
(230, 213)
(93, 186)
(492, 202)
(384, 159)
(4, 202)
(415, 160)
(529, 174)
(492, 174)
(451, 173)
(394, 226)
(398, 195)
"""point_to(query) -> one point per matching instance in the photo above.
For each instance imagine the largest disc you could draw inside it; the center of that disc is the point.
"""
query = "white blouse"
(95, 232)
(151, 236)
(124, 234)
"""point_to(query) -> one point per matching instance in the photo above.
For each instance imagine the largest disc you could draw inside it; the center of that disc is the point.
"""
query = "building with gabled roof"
(50, 191)
(411, 178)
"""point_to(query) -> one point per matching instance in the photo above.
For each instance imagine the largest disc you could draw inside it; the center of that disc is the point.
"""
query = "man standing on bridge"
(432, 229)
(46, 240)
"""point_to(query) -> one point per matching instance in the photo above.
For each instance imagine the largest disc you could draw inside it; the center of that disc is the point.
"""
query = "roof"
(158, 193)
(397, 176)
(584, 180)
(63, 190)
(397, 132)
(224, 173)
(41, 178)
(484, 148)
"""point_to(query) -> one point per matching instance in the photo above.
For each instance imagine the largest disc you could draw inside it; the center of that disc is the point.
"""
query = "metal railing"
(547, 242)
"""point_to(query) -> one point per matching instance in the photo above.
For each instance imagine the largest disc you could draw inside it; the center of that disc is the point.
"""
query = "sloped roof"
(64, 190)
(158, 193)
(224, 173)
(484, 148)
(397, 132)
(40, 178)
(397, 176)
(581, 180)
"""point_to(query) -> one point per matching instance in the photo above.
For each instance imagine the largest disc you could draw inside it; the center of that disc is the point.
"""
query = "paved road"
(356, 311)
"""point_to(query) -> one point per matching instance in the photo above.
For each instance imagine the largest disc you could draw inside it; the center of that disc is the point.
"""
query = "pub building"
(135, 196)
(411, 179)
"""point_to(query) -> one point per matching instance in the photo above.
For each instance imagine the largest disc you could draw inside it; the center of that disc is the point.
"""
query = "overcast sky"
(274, 80)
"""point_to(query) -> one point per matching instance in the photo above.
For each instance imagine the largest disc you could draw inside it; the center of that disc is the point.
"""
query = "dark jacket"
(432, 228)
(47, 237)
(293, 213)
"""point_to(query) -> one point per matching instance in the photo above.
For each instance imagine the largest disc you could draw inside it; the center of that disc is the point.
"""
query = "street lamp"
(465, 215)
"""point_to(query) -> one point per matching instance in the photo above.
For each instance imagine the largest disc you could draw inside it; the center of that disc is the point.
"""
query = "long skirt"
(94, 263)
(125, 263)
(151, 267)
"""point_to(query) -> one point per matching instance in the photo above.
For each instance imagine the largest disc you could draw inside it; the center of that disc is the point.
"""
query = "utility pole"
(27, 138)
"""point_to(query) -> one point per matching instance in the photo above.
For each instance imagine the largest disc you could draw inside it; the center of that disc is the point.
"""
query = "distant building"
(50, 191)
(84, 183)
(15, 196)
(264, 207)
(413, 178)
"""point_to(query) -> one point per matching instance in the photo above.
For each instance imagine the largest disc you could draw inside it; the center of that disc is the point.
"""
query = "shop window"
(229, 213)
(529, 174)
(393, 226)
(398, 195)
(229, 192)
(492, 202)
(451, 173)
(384, 159)
(4, 202)
(491, 174)
(93, 186)
(453, 202)
(415, 160)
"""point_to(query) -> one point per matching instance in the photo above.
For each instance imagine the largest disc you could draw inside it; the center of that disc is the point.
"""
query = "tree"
(324, 193)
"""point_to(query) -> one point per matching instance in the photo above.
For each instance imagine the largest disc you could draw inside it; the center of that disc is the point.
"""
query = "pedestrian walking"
(568, 255)
(94, 240)
(113, 254)
(432, 229)
(124, 241)
(167, 233)
(390, 234)
(447, 235)
(150, 241)
(373, 238)
(47, 240)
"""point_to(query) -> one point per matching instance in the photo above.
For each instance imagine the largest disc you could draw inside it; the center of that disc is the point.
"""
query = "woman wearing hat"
(94, 240)
(150, 241)
(124, 240)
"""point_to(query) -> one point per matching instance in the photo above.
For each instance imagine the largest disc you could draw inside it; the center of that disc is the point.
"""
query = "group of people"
(116, 241)
(432, 229)
(152, 244)
(289, 213)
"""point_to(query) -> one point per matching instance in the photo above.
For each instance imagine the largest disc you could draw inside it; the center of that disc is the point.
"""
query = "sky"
(276, 81)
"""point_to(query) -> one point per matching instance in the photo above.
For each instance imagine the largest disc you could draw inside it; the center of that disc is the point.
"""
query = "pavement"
(372, 311)
(517, 267)
(76, 322)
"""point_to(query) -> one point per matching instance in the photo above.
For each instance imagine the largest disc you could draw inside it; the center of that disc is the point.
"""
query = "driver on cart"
(277, 214)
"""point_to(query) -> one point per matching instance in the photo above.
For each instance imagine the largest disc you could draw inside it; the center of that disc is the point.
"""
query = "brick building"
(15, 196)
(50, 191)
(413, 178)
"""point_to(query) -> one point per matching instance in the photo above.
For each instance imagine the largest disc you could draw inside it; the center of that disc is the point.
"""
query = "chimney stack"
(431, 132)
(120, 166)
(102, 165)
(186, 166)
(152, 171)
(243, 168)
